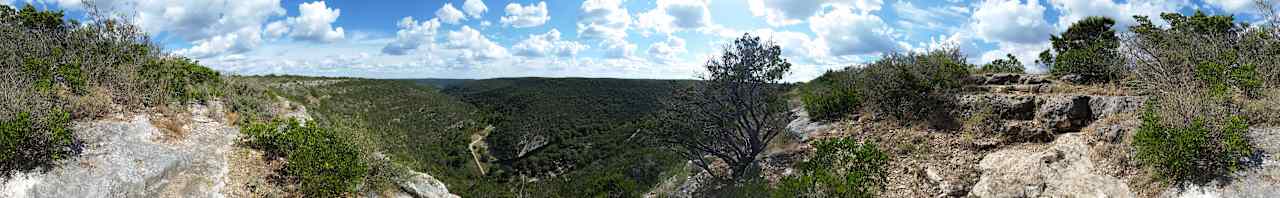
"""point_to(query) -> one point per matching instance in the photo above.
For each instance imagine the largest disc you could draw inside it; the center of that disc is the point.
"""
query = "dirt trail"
(477, 143)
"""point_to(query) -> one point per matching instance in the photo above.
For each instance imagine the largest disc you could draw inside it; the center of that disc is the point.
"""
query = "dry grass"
(1264, 110)
(172, 124)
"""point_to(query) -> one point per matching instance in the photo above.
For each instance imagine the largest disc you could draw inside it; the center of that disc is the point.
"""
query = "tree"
(1008, 65)
(1088, 48)
(734, 112)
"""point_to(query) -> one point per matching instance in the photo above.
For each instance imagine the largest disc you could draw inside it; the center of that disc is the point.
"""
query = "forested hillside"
(577, 135)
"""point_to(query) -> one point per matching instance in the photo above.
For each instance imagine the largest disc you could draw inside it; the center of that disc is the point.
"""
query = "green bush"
(832, 95)
(28, 142)
(181, 78)
(839, 168)
(1195, 152)
(324, 164)
(1008, 65)
(1089, 49)
(915, 86)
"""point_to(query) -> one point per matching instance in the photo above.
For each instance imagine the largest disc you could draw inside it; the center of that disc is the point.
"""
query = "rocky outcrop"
(1055, 113)
(1061, 169)
(133, 158)
(802, 126)
(424, 186)
(1065, 113)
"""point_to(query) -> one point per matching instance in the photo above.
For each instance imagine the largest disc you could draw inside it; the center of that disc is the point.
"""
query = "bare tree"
(733, 113)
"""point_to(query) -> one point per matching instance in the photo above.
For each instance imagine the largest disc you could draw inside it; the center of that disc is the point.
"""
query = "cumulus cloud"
(1011, 21)
(787, 12)
(603, 19)
(315, 23)
(547, 44)
(673, 15)
(229, 43)
(618, 49)
(795, 45)
(669, 50)
(474, 8)
(532, 15)
(412, 35)
(449, 14)
(928, 18)
(1074, 10)
(473, 46)
(846, 32)
(1235, 6)
(214, 27)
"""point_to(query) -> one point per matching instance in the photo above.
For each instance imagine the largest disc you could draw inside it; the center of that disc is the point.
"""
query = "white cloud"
(673, 15)
(1235, 6)
(547, 44)
(315, 23)
(230, 43)
(669, 50)
(1074, 10)
(928, 18)
(604, 20)
(474, 8)
(412, 35)
(277, 29)
(788, 12)
(526, 16)
(473, 46)
(618, 49)
(1011, 21)
(848, 33)
(449, 14)
(795, 45)
(1026, 54)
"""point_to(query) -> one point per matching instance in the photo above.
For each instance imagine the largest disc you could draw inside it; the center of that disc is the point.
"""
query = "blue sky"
(599, 38)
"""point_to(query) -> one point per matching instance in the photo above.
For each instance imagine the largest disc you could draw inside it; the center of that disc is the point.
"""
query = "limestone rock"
(1065, 113)
(425, 186)
(1061, 169)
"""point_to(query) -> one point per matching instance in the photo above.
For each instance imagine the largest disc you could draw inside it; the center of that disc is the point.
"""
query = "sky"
(663, 39)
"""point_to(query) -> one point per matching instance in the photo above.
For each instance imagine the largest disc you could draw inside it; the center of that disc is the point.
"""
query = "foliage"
(1009, 64)
(1196, 152)
(324, 164)
(734, 112)
(28, 142)
(1199, 71)
(832, 95)
(1088, 48)
(589, 128)
(839, 168)
(914, 86)
(57, 70)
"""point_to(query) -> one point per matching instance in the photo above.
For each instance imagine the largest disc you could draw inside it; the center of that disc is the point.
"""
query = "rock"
(1110, 133)
(1002, 79)
(1103, 106)
(802, 126)
(424, 186)
(1010, 107)
(1024, 131)
(949, 187)
(1035, 79)
(1065, 113)
(1072, 78)
(133, 158)
(1061, 169)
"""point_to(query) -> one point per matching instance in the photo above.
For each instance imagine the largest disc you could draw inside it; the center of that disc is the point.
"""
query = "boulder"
(424, 186)
(1072, 78)
(1065, 113)
(1103, 106)
(1061, 169)
(1002, 79)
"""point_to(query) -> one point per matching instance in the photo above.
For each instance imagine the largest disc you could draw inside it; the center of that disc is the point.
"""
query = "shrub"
(839, 168)
(324, 164)
(1195, 152)
(832, 95)
(1008, 65)
(31, 141)
(1089, 49)
(914, 86)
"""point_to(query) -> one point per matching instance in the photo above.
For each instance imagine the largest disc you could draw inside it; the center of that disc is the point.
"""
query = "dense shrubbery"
(909, 87)
(323, 163)
(914, 86)
(1009, 64)
(834, 94)
(839, 168)
(56, 70)
(1089, 49)
(1197, 151)
(1199, 71)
